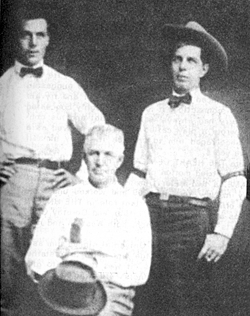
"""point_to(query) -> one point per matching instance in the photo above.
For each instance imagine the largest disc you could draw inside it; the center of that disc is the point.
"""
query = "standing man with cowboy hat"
(106, 226)
(187, 157)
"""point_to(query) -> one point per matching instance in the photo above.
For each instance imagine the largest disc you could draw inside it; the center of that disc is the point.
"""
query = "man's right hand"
(7, 170)
(66, 248)
(30, 272)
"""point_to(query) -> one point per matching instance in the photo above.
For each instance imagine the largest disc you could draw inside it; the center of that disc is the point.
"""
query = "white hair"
(107, 131)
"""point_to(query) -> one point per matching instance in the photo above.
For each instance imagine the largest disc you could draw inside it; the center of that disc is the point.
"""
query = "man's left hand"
(214, 247)
(64, 178)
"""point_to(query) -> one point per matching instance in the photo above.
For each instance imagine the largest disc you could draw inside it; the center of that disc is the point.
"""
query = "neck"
(102, 185)
(40, 64)
(183, 92)
(180, 91)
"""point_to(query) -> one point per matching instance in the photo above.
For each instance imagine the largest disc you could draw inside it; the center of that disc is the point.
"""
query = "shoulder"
(61, 82)
(68, 194)
(54, 74)
(155, 109)
(212, 108)
(6, 75)
(220, 113)
(212, 104)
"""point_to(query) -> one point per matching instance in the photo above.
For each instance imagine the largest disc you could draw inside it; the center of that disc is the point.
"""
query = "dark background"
(113, 49)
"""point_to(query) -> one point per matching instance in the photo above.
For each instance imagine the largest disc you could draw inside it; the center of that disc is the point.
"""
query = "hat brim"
(97, 304)
(175, 33)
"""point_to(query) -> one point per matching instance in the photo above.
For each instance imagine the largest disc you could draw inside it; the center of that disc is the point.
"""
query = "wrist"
(220, 234)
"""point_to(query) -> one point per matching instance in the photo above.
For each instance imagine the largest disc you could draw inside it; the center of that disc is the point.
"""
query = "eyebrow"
(96, 151)
(30, 32)
(188, 57)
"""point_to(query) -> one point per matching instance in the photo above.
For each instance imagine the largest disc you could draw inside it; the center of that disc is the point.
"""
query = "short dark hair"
(29, 10)
(205, 52)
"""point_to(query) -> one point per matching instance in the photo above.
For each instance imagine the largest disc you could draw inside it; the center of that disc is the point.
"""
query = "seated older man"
(99, 219)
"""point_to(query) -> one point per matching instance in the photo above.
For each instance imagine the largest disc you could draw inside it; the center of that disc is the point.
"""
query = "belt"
(43, 163)
(165, 201)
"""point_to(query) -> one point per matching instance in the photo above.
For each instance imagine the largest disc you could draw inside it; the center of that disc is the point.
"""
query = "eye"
(192, 60)
(25, 35)
(41, 34)
(109, 154)
(176, 59)
(93, 153)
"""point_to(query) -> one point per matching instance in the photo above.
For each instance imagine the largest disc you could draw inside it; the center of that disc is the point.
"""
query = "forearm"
(233, 193)
(136, 184)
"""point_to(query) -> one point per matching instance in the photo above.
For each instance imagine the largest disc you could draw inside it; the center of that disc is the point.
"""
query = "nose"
(33, 40)
(183, 64)
(100, 160)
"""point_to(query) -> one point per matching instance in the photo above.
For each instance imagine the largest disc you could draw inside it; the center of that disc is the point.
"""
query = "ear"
(84, 157)
(120, 161)
(205, 69)
(48, 39)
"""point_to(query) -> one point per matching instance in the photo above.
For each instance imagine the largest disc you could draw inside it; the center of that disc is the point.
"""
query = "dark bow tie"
(175, 101)
(37, 72)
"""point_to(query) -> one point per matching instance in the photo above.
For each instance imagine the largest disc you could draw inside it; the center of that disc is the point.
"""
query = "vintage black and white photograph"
(125, 157)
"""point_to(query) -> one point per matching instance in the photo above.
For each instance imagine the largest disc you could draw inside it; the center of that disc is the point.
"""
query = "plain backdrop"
(114, 50)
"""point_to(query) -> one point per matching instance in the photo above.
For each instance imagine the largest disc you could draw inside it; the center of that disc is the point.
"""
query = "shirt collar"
(114, 186)
(18, 66)
(195, 94)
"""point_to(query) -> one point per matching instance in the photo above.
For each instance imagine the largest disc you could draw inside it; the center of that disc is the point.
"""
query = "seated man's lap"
(119, 300)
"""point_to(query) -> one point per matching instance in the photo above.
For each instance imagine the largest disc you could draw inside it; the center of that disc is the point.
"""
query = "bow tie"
(37, 72)
(175, 101)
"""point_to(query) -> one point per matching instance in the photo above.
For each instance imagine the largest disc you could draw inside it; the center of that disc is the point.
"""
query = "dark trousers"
(23, 199)
(179, 284)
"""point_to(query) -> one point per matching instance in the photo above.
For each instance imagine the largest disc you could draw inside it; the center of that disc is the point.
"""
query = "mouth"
(99, 172)
(182, 78)
(33, 53)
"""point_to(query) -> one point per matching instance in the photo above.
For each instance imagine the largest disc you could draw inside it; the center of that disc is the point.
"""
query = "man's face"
(33, 41)
(187, 68)
(102, 160)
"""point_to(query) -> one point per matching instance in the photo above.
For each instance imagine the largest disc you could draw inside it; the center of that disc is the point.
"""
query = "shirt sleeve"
(82, 113)
(134, 182)
(82, 173)
(229, 158)
(233, 193)
(131, 268)
(141, 155)
(41, 255)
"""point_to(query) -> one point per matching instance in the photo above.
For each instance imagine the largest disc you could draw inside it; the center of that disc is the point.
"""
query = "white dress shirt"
(185, 151)
(34, 114)
(115, 229)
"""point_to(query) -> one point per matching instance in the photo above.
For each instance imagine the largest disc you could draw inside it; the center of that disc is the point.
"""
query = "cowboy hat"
(196, 33)
(72, 288)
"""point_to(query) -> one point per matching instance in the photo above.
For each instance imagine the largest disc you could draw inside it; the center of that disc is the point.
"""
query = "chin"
(181, 89)
(33, 63)
(98, 179)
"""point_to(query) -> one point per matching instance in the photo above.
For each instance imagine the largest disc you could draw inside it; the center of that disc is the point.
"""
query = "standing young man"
(187, 155)
(36, 103)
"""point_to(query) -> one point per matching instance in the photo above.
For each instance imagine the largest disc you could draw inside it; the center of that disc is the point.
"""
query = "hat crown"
(195, 26)
(75, 272)
(72, 288)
